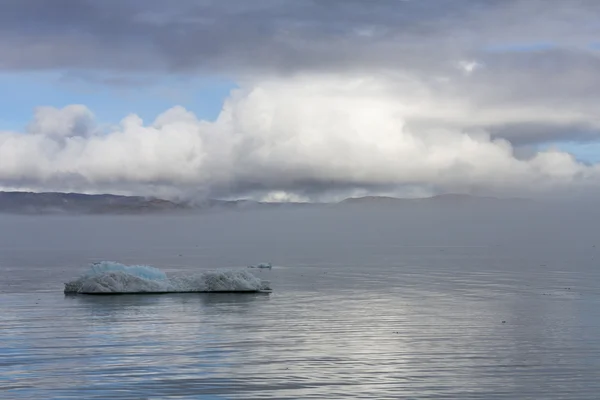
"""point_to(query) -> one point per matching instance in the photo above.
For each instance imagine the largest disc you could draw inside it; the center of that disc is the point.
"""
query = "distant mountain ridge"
(78, 203)
(450, 198)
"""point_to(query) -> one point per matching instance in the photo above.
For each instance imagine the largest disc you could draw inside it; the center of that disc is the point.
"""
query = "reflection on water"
(379, 319)
(91, 344)
(419, 338)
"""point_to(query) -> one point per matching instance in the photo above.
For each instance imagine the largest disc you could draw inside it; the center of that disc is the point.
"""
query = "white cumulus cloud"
(72, 120)
(305, 137)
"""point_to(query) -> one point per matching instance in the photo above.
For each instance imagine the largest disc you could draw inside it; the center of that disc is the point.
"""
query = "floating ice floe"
(114, 278)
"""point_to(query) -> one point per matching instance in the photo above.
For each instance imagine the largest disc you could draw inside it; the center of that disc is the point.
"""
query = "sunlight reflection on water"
(377, 320)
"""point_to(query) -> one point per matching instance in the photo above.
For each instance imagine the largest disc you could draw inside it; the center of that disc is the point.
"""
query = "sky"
(300, 100)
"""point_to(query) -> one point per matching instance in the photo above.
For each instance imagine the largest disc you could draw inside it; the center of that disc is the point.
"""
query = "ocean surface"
(377, 304)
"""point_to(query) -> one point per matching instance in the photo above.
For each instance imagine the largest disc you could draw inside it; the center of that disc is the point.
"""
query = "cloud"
(303, 138)
(468, 67)
(336, 96)
(70, 121)
(285, 36)
(523, 70)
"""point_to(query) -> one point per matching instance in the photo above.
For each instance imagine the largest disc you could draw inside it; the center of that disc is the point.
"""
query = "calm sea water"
(419, 304)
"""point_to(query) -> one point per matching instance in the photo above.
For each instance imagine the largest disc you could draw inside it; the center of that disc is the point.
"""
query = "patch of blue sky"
(21, 93)
(585, 152)
(519, 47)
(594, 45)
(531, 47)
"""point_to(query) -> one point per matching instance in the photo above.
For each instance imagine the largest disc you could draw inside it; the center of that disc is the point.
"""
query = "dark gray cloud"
(282, 35)
(533, 54)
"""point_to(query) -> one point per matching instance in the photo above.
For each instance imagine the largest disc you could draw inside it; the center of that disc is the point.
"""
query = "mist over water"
(475, 301)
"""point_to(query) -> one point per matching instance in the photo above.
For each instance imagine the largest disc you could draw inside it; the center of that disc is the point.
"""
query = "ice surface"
(141, 271)
(111, 277)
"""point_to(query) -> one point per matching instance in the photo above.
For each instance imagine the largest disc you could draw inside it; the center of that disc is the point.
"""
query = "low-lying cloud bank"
(316, 137)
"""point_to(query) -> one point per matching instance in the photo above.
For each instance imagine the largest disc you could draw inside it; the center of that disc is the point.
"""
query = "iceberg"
(108, 277)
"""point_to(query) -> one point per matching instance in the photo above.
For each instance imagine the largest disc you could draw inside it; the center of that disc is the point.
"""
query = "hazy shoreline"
(57, 203)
